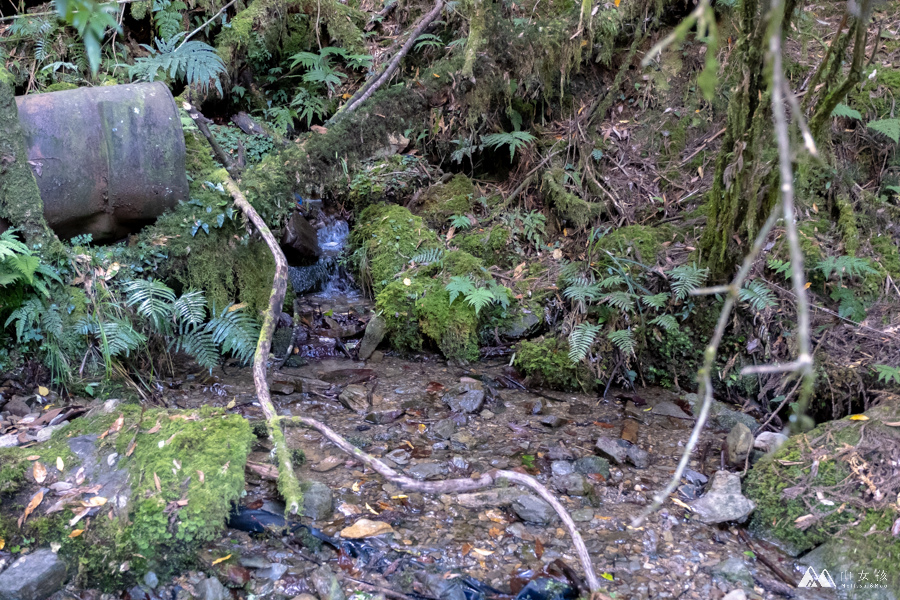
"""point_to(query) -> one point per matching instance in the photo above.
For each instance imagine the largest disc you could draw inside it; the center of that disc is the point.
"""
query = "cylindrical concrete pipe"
(108, 160)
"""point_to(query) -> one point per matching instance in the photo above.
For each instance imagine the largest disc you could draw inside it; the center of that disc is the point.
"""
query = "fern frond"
(513, 139)
(621, 300)
(199, 343)
(686, 278)
(656, 300)
(667, 322)
(195, 62)
(581, 339)
(886, 374)
(887, 127)
(154, 300)
(611, 282)
(758, 295)
(842, 110)
(427, 257)
(190, 309)
(623, 339)
(236, 331)
(459, 285)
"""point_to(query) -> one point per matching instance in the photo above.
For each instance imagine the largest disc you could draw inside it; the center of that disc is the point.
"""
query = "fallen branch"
(288, 485)
(370, 87)
(445, 486)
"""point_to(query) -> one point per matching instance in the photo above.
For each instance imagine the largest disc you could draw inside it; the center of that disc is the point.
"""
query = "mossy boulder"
(169, 479)
(443, 200)
(637, 242)
(490, 245)
(385, 239)
(546, 362)
(829, 485)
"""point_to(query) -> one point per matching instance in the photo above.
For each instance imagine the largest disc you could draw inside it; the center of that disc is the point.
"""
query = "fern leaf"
(686, 278)
(581, 339)
(426, 257)
(842, 110)
(656, 300)
(667, 322)
(758, 295)
(478, 298)
(459, 285)
(621, 300)
(886, 374)
(154, 300)
(623, 339)
(888, 127)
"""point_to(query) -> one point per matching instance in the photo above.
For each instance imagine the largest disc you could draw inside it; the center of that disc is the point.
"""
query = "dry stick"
(199, 29)
(366, 91)
(804, 363)
(709, 357)
(287, 480)
(465, 485)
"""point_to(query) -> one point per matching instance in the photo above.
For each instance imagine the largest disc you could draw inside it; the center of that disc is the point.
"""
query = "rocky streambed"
(168, 476)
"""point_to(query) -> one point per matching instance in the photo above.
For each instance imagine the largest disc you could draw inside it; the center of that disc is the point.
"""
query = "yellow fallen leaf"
(606, 576)
(681, 504)
(75, 533)
(60, 465)
(422, 428)
(39, 471)
(808, 283)
(32, 504)
(355, 487)
(399, 497)
(482, 551)
(371, 510)
(42, 391)
(859, 418)
(2, 543)
(219, 560)
(230, 405)
(617, 2)
(96, 501)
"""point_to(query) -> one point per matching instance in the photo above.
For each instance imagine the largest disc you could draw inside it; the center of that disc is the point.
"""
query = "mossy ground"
(198, 458)
(444, 200)
(546, 361)
(845, 519)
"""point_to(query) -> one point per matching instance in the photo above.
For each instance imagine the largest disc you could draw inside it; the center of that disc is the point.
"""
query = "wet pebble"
(562, 467)
(399, 456)
(427, 470)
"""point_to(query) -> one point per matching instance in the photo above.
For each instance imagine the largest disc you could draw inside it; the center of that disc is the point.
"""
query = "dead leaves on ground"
(32, 504)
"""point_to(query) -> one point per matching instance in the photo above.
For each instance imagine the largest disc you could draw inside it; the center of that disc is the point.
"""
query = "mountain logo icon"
(811, 580)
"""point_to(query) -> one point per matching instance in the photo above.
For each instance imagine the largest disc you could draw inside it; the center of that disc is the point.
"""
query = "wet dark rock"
(236, 575)
(211, 589)
(300, 241)
(532, 509)
(571, 484)
(694, 478)
(723, 501)
(355, 397)
(467, 396)
(615, 450)
(560, 452)
(383, 417)
(580, 515)
(738, 444)
(375, 330)
(553, 421)
(638, 457)
(318, 501)
(17, 407)
(283, 389)
(427, 470)
(273, 572)
(348, 376)
(399, 456)
(326, 584)
(587, 465)
(460, 463)
(523, 322)
(547, 589)
(665, 408)
(733, 570)
(562, 467)
(537, 408)
(35, 576)
(254, 562)
(137, 593)
(441, 588)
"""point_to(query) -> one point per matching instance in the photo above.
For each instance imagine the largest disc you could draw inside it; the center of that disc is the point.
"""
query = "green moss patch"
(546, 362)
(828, 485)
(184, 478)
(443, 200)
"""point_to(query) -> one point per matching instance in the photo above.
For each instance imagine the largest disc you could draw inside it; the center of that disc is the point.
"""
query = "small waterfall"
(327, 278)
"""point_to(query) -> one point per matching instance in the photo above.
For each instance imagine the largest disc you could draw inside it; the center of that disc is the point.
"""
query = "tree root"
(445, 486)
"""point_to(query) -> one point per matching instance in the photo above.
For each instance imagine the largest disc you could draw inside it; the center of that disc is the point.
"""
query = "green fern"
(154, 301)
(623, 339)
(476, 296)
(758, 295)
(320, 70)
(667, 322)
(686, 278)
(597, 154)
(429, 40)
(781, 267)
(849, 305)
(887, 374)
(887, 127)
(427, 257)
(581, 339)
(842, 110)
(194, 62)
(851, 266)
(514, 139)
(460, 222)
(656, 300)
(236, 331)
(621, 300)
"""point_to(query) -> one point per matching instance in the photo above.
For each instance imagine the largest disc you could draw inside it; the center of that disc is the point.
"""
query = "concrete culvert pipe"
(108, 160)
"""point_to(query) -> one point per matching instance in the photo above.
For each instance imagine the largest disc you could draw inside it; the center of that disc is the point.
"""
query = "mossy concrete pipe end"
(108, 160)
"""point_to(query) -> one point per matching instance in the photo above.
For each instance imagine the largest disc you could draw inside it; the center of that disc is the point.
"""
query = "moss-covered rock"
(637, 242)
(443, 200)
(181, 482)
(546, 362)
(490, 245)
(821, 487)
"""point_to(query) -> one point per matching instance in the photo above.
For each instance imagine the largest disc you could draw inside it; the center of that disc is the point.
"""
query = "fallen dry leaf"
(155, 428)
(220, 560)
(131, 448)
(157, 483)
(79, 514)
(365, 528)
(32, 504)
(482, 551)
(177, 463)
(95, 501)
(466, 548)
(60, 465)
(201, 476)
(39, 471)
(42, 391)
(495, 532)
(75, 533)
(892, 423)
(859, 418)
(32, 457)
(79, 476)
(117, 426)
(538, 548)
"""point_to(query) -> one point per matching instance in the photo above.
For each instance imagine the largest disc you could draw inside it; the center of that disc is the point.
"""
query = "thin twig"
(210, 20)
